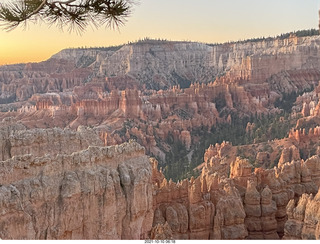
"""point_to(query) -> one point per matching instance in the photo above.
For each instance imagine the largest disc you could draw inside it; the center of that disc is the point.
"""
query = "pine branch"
(77, 14)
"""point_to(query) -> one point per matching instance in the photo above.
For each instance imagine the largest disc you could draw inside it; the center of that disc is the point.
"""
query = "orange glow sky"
(203, 20)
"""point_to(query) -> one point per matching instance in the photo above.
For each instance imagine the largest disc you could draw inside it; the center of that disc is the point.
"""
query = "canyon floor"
(164, 140)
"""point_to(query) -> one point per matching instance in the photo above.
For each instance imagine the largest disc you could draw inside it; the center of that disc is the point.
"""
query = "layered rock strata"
(260, 213)
(16, 140)
(261, 68)
(287, 181)
(118, 193)
(303, 218)
(97, 193)
(194, 211)
(161, 64)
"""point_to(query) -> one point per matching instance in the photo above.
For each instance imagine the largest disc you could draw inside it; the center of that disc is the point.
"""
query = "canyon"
(76, 191)
(105, 89)
(91, 137)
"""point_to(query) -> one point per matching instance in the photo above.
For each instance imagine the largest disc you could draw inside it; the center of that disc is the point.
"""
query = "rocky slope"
(194, 211)
(87, 191)
(285, 64)
(107, 88)
(81, 87)
(160, 64)
(66, 174)
(303, 218)
(236, 201)
(16, 140)
(97, 193)
(151, 119)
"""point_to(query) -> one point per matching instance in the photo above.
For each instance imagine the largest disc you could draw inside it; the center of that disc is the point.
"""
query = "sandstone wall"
(303, 218)
(289, 180)
(191, 210)
(16, 140)
(287, 65)
(97, 193)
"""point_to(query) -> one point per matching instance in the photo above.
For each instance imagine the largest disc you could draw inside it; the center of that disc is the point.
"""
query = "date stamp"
(160, 241)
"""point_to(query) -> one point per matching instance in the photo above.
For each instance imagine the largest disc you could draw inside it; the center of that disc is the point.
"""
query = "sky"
(209, 21)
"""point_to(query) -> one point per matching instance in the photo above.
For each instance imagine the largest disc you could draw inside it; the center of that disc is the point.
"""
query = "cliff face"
(155, 64)
(303, 218)
(20, 82)
(39, 142)
(250, 204)
(194, 86)
(81, 191)
(149, 117)
(70, 183)
(287, 181)
(173, 63)
(260, 211)
(191, 210)
(286, 65)
(264, 193)
(63, 184)
(97, 193)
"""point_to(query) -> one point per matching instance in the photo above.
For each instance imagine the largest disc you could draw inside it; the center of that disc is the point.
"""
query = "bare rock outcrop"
(97, 193)
(8, 126)
(289, 154)
(17, 140)
(63, 184)
(161, 232)
(248, 205)
(266, 192)
(260, 213)
(240, 171)
(313, 165)
(195, 211)
(303, 218)
(287, 64)
(19, 82)
(230, 215)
